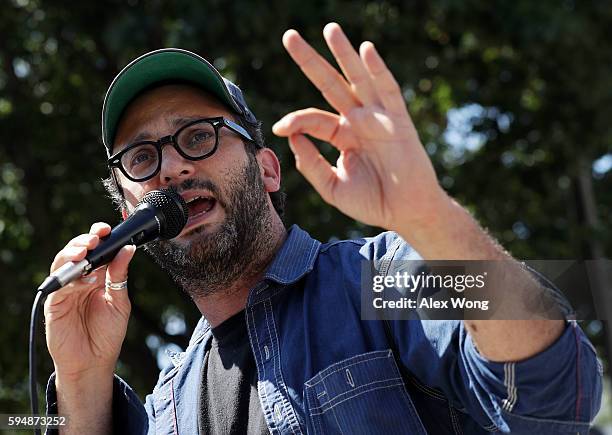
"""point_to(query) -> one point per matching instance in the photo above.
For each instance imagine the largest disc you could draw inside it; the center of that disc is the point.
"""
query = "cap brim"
(154, 67)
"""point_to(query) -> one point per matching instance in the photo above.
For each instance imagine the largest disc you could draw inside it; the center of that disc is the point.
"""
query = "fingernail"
(278, 125)
(371, 44)
(288, 33)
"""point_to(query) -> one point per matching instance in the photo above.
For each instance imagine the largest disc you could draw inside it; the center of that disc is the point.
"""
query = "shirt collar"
(292, 261)
(295, 258)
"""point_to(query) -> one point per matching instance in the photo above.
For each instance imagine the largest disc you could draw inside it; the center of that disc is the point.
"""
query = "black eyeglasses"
(196, 140)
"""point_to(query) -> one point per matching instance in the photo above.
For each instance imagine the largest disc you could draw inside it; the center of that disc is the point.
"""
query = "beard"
(240, 248)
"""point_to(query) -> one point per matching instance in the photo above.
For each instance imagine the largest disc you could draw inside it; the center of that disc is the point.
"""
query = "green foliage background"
(531, 80)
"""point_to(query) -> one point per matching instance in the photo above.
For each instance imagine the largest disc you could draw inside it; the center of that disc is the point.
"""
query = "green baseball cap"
(165, 65)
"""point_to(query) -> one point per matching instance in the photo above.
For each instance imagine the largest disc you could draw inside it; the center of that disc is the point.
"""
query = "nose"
(175, 167)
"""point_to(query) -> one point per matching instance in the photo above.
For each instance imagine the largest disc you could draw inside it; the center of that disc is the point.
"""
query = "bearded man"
(282, 347)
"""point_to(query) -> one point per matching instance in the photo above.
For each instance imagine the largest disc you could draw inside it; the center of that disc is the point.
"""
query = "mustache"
(197, 183)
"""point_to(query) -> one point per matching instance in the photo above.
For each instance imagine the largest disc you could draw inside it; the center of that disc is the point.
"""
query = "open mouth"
(200, 205)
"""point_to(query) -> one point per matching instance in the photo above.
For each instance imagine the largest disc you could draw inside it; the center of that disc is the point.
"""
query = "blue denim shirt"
(323, 370)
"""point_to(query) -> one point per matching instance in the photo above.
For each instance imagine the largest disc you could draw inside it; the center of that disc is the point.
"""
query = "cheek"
(225, 165)
(224, 180)
(229, 180)
(134, 192)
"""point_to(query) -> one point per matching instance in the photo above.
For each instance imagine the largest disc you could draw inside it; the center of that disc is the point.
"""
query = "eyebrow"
(175, 123)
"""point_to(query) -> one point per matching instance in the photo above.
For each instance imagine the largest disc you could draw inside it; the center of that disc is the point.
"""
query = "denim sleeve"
(129, 415)
(557, 391)
(560, 387)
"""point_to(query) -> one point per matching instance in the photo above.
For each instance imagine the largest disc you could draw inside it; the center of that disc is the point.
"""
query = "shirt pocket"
(363, 394)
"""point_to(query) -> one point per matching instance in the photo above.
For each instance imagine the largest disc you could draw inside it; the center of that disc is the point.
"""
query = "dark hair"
(255, 131)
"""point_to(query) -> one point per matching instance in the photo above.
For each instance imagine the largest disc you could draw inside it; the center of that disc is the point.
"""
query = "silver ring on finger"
(116, 285)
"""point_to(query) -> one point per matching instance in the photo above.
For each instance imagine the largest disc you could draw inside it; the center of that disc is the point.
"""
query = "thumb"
(314, 167)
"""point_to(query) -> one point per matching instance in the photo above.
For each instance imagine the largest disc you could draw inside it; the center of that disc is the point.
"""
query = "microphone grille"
(173, 208)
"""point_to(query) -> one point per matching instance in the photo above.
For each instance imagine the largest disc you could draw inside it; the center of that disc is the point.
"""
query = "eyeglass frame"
(217, 122)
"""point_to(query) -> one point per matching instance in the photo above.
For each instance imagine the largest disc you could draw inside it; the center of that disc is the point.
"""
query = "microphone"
(161, 214)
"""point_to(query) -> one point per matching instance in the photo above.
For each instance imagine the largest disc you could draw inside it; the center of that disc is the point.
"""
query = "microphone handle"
(141, 227)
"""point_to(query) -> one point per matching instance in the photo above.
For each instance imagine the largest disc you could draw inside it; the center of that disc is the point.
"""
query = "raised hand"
(383, 175)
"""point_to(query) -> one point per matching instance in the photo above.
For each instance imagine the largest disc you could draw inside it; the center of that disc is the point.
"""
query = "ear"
(124, 213)
(269, 167)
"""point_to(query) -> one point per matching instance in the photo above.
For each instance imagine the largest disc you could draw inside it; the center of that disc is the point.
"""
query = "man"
(281, 346)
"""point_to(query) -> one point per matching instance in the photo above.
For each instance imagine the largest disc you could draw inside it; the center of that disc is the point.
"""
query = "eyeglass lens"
(195, 141)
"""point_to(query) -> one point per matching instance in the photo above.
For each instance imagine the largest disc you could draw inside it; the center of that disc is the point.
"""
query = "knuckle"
(390, 87)
(97, 227)
(359, 80)
(308, 60)
(289, 120)
(57, 257)
(62, 257)
(328, 86)
(80, 240)
(86, 239)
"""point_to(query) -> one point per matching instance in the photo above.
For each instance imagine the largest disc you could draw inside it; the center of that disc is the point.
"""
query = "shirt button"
(267, 352)
(277, 412)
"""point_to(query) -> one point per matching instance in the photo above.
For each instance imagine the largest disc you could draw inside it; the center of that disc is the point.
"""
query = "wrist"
(96, 378)
(447, 231)
(86, 399)
(426, 216)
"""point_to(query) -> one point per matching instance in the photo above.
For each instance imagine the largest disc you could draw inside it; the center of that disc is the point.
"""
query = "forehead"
(155, 112)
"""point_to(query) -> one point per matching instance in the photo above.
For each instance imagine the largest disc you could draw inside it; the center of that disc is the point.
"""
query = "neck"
(220, 306)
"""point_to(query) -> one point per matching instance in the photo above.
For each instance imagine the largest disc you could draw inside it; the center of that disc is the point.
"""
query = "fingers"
(350, 63)
(319, 124)
(117, 269)
(368, 80)
(386, 86)
(117, 272)
(332, 85)
(100, 228)
(314, 167)
(76, 249)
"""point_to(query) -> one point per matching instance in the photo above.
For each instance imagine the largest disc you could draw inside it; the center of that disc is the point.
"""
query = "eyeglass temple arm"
(236, 128)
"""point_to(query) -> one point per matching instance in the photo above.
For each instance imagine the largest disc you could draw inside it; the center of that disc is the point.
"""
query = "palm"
(85, 329)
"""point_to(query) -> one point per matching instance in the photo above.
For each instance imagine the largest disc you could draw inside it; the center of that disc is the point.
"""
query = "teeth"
(197, 197)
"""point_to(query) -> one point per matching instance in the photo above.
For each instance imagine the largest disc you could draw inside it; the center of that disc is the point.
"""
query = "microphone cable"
(34, 319)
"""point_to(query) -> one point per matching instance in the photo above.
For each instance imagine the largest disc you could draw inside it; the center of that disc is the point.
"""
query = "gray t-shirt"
(229, 403)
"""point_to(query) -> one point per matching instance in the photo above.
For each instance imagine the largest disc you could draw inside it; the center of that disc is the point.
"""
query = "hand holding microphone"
(87, 320)
(161, 214)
